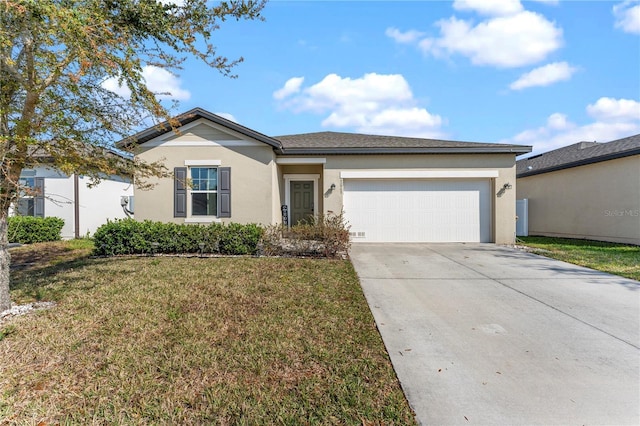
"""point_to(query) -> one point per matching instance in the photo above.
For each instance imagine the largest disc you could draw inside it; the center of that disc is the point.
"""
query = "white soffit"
(418, 174)
(301, 160)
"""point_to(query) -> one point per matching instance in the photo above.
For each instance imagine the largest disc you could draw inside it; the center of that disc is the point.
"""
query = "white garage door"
(425, 210)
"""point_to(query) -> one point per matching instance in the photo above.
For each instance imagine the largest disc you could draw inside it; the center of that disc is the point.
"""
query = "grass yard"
(618, 259)
(157, 340)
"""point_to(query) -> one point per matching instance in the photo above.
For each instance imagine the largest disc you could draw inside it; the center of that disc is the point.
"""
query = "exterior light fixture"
(333, 186)
(507, 186)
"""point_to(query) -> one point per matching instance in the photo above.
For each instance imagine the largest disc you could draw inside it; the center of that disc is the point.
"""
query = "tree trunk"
(5, 261)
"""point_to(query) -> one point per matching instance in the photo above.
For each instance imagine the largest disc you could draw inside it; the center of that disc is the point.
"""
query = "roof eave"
(436, 150)
(583, 162)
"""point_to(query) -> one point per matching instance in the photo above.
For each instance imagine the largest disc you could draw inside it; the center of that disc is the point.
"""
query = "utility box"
(522, 215)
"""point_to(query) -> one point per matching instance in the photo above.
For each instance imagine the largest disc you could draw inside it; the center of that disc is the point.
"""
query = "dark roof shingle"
(324, 143)
(356, 143)
(578, 154)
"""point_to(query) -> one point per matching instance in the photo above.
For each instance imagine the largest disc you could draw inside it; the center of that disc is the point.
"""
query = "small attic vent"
(357, 234)
(583, 145)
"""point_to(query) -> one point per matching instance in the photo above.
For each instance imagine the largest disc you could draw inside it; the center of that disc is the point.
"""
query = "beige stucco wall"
(599, 201)
(258, 184)
(503, 223)
(252, 181)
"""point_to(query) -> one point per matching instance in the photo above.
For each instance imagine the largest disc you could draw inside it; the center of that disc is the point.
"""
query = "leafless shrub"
(322, 236)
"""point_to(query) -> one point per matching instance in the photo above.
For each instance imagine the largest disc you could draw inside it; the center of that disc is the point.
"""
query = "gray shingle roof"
(323, 143)
(355, 143)
(578, 154)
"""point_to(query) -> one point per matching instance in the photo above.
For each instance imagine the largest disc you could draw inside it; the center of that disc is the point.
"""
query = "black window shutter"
(180, 192)
(224, 191)
(38, 199)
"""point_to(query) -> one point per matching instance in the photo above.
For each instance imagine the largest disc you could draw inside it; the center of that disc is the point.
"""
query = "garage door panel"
(419, 210)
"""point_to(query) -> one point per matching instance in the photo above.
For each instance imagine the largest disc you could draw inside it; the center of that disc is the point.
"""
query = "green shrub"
(128, 236)
(29, 229)
(240, 239)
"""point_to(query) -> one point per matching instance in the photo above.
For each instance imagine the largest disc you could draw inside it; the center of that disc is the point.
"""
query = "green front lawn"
(149, 340)
(618, 259)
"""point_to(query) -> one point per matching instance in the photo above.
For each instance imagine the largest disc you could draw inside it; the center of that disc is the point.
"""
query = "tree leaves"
(54, 58)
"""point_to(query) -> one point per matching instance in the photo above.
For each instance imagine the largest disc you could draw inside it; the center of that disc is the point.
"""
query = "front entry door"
(301, 201)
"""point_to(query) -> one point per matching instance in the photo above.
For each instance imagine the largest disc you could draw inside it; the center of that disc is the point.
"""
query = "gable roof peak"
(188, 117)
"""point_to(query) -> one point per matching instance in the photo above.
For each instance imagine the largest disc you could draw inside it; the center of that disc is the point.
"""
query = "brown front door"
(301, 201)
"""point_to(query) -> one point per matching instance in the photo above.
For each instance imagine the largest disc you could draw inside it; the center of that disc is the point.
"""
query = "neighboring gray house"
(586, 190)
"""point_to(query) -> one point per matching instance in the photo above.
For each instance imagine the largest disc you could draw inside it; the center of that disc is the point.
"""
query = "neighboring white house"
(82, 208)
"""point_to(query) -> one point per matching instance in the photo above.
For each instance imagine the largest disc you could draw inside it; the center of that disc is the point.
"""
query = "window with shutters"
(204, 191)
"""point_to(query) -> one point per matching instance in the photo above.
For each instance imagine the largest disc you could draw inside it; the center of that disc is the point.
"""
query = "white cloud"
(111, 84)
(505, 41)
(373, 103)
(614, 119)
(162, 81)
(544, 76)
(615, 109)
(627, 16)
(558, 121)
(489, 7)
(290, 87)
(226, 115)
(410, 36)
(158, 80)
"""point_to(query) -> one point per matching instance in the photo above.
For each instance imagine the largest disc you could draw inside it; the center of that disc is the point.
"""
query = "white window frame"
(288, 178)
(200, 164)
(31, 175)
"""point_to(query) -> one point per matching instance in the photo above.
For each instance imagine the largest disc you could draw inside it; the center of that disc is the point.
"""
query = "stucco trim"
(183, 142)
(301, 160)
(418, 174)
(202, 162)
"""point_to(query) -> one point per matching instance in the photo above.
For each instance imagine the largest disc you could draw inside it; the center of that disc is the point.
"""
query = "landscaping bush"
(128, 236)
(29, 229)
(324, 236)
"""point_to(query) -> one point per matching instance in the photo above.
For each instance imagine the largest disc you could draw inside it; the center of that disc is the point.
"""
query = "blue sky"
(541, 73)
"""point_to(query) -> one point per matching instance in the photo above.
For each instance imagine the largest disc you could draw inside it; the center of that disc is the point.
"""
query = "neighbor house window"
(204, 191)
(26, 202)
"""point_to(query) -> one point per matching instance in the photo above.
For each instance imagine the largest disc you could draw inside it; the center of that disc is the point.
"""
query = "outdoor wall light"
(507, 186)
(333, 186)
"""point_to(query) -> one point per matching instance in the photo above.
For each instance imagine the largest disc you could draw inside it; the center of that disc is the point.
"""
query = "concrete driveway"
(485, 334)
